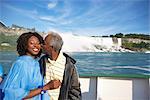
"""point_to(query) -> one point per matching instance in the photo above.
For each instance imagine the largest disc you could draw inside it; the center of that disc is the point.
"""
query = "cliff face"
(14, 29)
(134, 40)
(139, 45)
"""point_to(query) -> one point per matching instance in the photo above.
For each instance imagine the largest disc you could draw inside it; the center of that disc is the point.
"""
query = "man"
(58, 65)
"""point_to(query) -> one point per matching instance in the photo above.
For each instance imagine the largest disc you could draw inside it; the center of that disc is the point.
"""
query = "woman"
(24, 80)
(1, 73)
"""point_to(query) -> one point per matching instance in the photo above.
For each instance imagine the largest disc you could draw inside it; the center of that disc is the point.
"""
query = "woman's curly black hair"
(22, 42)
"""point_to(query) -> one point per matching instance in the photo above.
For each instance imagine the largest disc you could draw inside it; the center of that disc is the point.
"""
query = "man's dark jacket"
(70, 87)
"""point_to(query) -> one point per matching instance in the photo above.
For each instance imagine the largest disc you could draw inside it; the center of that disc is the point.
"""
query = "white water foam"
(132, 67)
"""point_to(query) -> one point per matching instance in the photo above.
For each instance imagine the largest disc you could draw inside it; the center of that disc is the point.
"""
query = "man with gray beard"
(58, 65)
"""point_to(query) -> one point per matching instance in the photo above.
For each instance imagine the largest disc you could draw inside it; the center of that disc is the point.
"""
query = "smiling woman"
(24, 80)
(29, 44)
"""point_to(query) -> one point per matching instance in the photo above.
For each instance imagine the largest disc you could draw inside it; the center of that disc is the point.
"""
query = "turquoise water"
(99, 63)
(113, 63)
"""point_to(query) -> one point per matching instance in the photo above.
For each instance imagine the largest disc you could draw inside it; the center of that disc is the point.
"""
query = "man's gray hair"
(56, 41)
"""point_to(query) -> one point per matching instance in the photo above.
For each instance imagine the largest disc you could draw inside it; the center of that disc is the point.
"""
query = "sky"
(79, 17)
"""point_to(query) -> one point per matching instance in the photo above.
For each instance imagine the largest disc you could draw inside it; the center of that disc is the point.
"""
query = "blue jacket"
(1, 71)
(23, 76)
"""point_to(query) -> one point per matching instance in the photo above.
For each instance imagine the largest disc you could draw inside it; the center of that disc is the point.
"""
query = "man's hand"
(53, 84)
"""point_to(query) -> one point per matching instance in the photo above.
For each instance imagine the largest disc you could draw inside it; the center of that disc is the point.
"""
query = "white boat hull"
(111, 88)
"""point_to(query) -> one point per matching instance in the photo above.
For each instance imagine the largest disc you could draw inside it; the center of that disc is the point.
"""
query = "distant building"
(14, 29)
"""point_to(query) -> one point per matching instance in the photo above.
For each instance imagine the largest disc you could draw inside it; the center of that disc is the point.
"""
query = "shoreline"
(100, 51)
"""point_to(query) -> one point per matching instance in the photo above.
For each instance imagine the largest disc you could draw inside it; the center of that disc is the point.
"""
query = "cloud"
(52, 4)
(47, 18)
(101, 30)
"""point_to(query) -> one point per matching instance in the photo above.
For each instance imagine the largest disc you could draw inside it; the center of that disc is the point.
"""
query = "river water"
(98, 62)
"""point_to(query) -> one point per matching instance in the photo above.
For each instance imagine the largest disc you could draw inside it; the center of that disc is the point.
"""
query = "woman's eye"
(31, 43)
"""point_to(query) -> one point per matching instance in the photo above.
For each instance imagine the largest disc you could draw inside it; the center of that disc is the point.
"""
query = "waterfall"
(74, 43)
